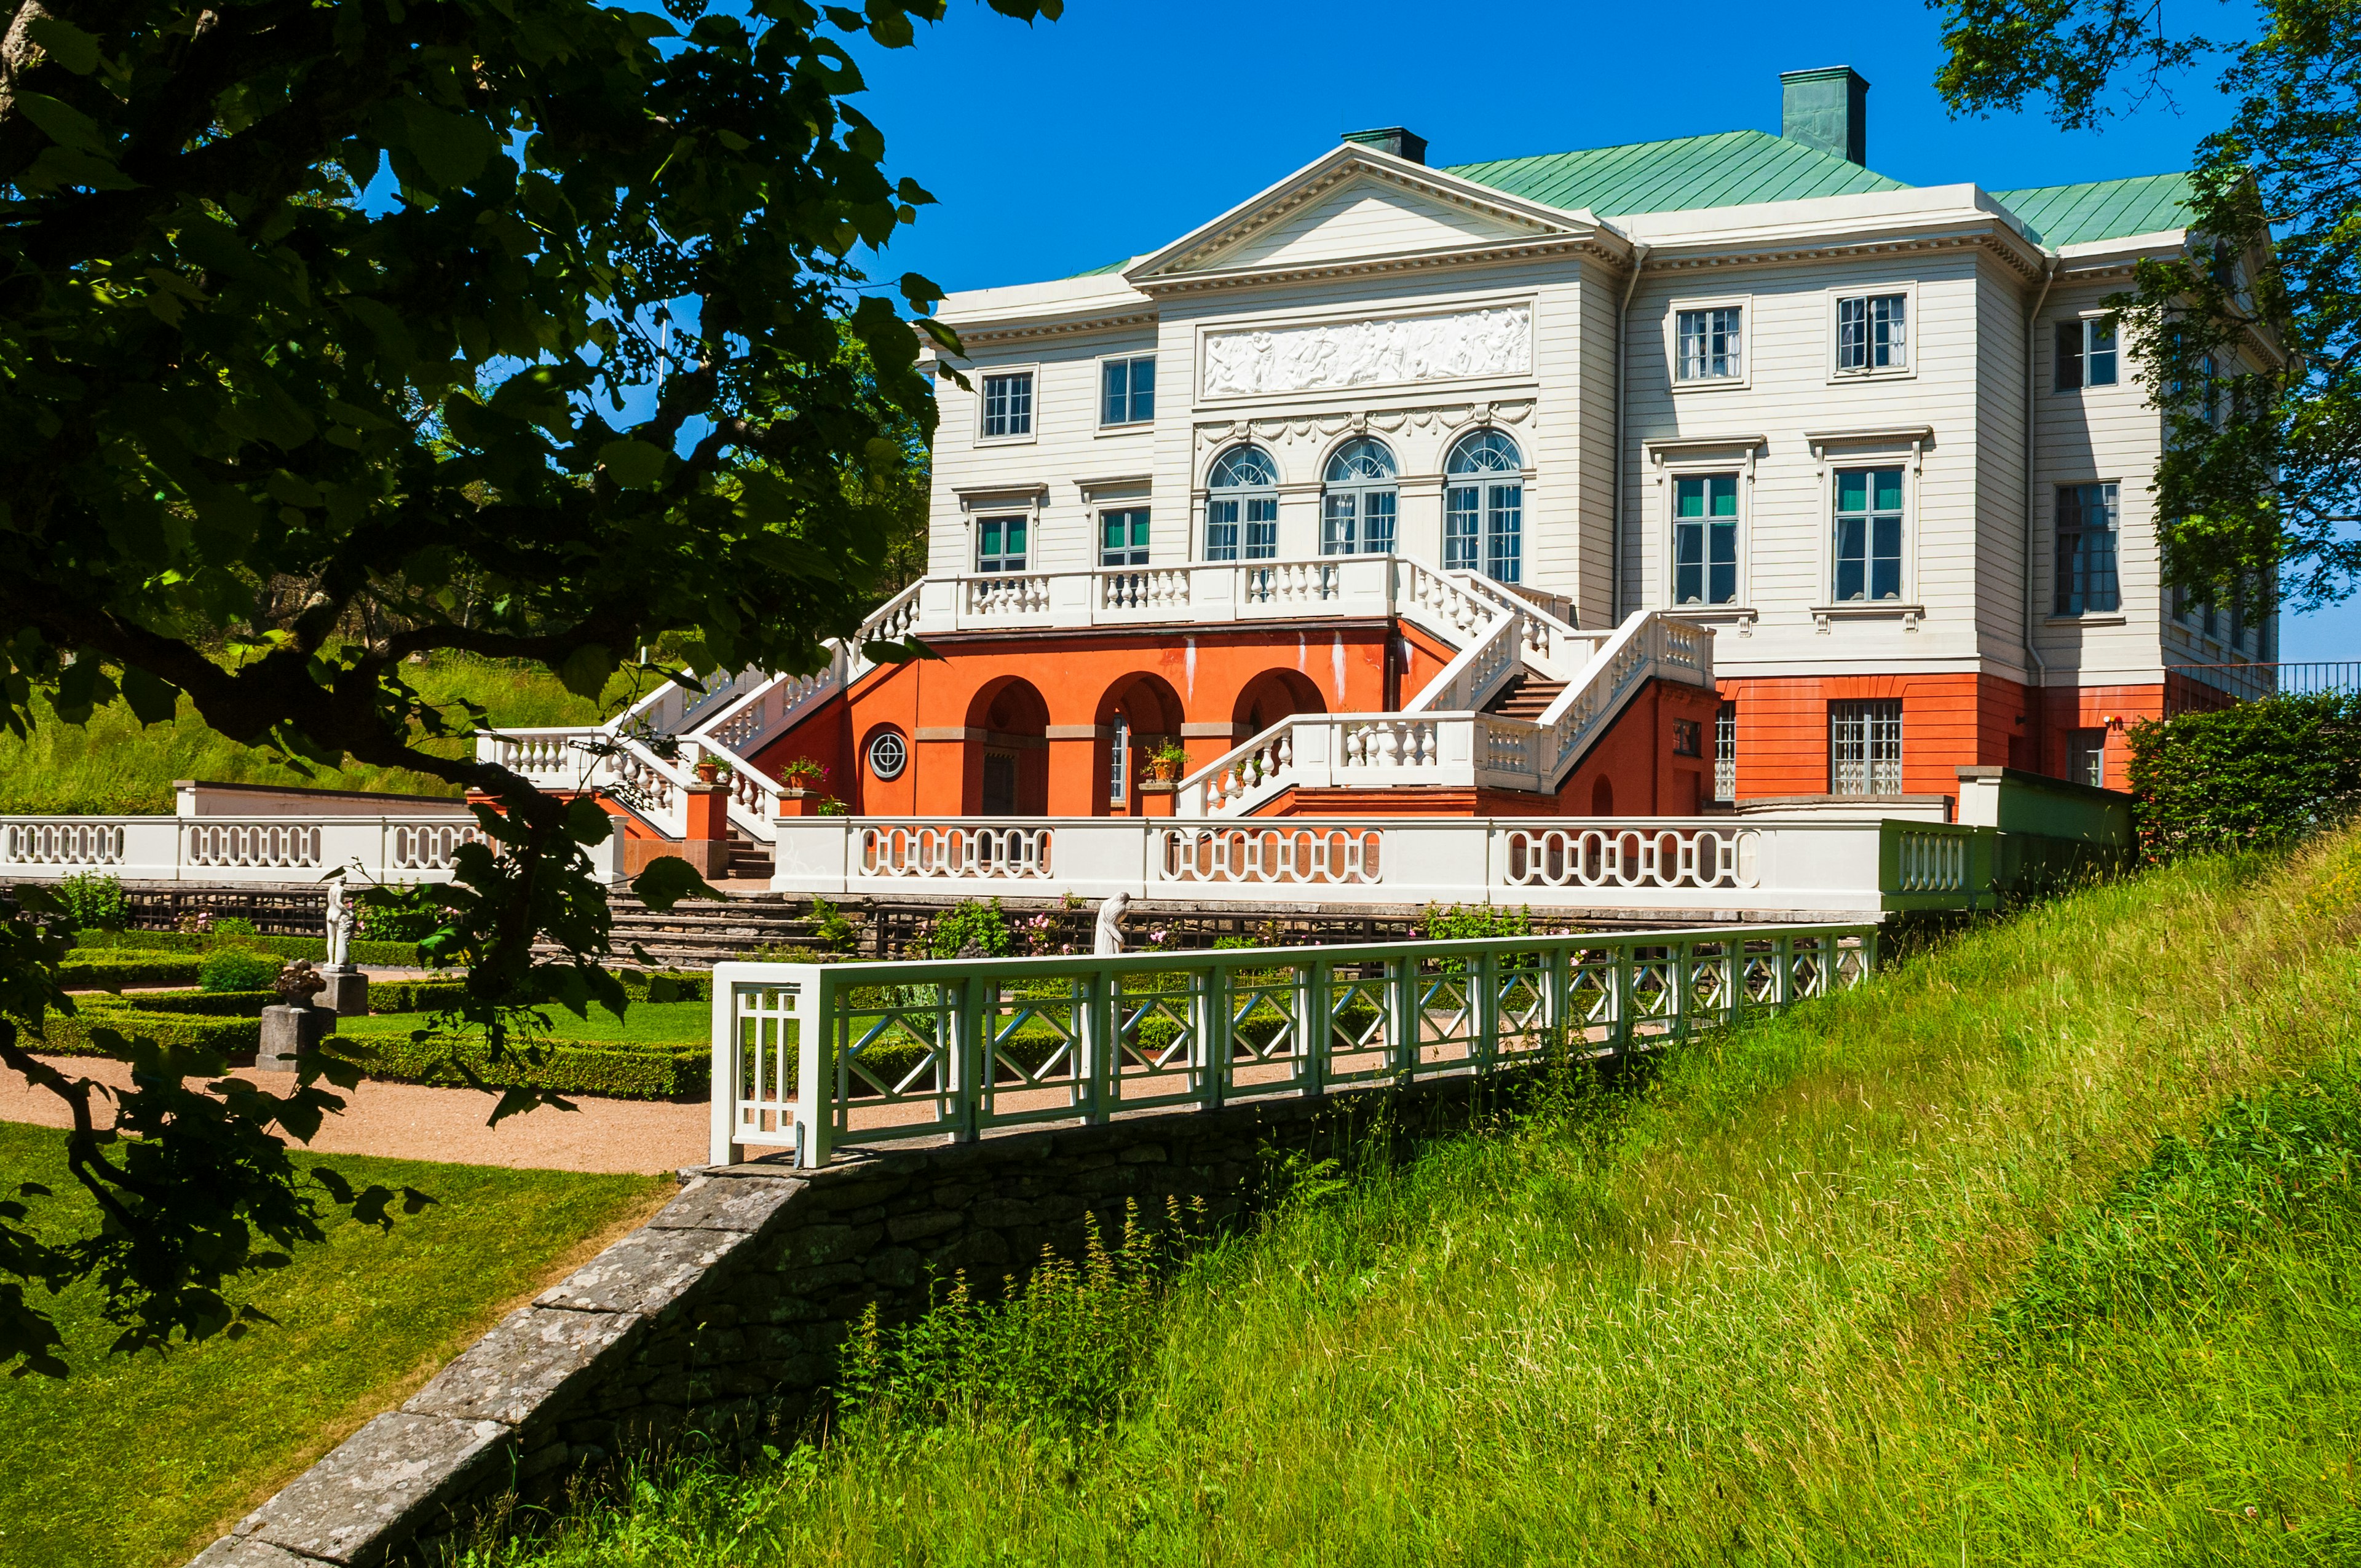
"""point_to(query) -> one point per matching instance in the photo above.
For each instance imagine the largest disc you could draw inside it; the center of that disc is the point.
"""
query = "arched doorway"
(1008, 751)
(1269, 697)
(1139, 716)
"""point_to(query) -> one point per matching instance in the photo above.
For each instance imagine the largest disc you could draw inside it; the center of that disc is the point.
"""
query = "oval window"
(887, 755)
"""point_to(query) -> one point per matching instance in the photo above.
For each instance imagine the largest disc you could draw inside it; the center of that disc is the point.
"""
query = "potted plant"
(800, 788)
(1166, 764)
(708, 769)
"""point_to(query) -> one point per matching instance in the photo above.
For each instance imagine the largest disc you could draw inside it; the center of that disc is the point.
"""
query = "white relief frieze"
(1376, 352)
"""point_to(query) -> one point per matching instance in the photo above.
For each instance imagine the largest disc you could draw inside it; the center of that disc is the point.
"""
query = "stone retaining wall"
(719, 1319)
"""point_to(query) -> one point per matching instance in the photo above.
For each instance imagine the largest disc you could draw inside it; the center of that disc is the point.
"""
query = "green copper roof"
(1102, 271)
(2100, 209)
(1731, 168)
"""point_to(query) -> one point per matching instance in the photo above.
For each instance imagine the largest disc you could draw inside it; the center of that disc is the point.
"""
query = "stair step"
(1526, 697)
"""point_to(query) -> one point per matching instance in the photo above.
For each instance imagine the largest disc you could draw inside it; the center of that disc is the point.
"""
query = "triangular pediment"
(1357, 205)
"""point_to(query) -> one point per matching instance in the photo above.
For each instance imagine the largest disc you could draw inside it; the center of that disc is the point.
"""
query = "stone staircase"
(1526, 697)
(749, 858)
(699, 933)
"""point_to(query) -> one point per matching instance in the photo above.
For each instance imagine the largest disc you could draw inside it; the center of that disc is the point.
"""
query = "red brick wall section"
(2113, 708)
(1948, 722)
(1636, 759)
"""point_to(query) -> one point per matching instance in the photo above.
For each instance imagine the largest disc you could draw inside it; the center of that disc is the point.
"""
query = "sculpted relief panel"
(1334, 354)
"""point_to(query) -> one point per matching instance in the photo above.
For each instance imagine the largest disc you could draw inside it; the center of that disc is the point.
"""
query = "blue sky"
(1067, 145)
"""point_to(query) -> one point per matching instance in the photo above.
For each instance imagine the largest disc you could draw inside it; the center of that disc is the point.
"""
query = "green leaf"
(65, 43)
(65, 125)
(634, 464)
(153, 699)
(586, 670)
(451, 148)
(669, 880)
(586, 822)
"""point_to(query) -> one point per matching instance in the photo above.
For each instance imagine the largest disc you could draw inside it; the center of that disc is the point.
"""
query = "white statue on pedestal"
(340, 925)
(1108, 936)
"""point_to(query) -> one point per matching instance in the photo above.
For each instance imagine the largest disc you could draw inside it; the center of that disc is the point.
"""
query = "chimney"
(1827, 109)
(1397, 139)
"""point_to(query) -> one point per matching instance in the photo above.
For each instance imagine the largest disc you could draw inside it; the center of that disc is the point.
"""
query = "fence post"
(966, 1055)
(1484, 977)
(1214, 1038)
(1619, 1033)
(720, 1147)
(1409, 1016)
(1315, 1002)
(1100, 1007)
(818, 1090)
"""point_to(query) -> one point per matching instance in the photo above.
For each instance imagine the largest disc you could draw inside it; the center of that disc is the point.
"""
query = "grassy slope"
(112, 765)
(1746, 1316)
(133, 1462)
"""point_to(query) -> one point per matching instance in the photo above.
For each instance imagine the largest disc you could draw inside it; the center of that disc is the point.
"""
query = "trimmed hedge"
(388, 955)
(114, 971)
(70, 1035)
(2251, 775)
(200, 1003)
(606, 1067)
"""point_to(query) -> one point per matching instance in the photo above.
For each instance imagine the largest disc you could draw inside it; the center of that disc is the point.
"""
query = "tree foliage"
(2250, 343)
(333, 333)
(2254, 775)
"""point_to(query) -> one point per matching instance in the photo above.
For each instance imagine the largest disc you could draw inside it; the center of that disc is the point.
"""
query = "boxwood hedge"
(609, 1067)
(2246, 776)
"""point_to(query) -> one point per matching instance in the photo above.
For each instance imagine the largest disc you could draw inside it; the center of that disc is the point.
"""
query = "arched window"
(1484, 507)
(1242, 515)
(1357, 511)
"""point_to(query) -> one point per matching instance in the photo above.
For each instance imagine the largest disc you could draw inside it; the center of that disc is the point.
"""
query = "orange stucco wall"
(1051, 704)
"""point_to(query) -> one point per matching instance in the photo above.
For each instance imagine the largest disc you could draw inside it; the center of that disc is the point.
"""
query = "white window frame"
(1899, 446)
(2087, 615)
(982, 376)
(1913, 320)
(1673, 472)
(1744, 305)
(2084, 319)
(1029, 516)
(1098, 388)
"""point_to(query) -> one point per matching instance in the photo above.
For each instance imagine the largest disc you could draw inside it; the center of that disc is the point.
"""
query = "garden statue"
(1107, 938)
(340, 926)
(292, 1025)
(348, 987)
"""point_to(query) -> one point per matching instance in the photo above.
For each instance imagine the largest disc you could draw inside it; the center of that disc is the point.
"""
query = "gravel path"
(410, 1121)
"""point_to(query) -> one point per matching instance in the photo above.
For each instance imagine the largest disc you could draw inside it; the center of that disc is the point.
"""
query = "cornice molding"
(1027, 332)
(2026, 263)
(1161, 285)
(1352, 170)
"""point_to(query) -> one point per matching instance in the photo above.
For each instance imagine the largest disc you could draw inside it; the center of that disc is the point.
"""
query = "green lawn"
(2043, 1248)
(644, 1023)
(135, 1461)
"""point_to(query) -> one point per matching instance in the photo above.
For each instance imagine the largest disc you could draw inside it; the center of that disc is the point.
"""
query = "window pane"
(1221, 531)
(1689, 497)
(2069, 356)
(1725, 494)
(1378, 522)
(1888, 486)
(1851, 343)
(1459, 528)
(1143, 390)
(1852, 490)
(1503, 533)
(2100, 366)
(1114, 388)
(1336, 526)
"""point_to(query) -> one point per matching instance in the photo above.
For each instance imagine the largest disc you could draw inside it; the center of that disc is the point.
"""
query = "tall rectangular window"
(2086, 352)
(1865, 747)
(1868, 535)
(1705, 539)
(1000, 545)
(1246, 527)
(2086, 550)
(1119, 760)
(1874, 333)
(1710, 343)
(2086, 757)
(1128, 390)
(1725, 751)
(1123, 537)
(1483, 529)
(1008, 404)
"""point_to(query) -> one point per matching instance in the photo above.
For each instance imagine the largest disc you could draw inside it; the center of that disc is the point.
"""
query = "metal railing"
(958, 1047)
(2202, 688)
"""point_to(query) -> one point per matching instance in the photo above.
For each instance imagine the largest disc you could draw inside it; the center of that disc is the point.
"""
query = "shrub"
(2256, 774)
(398, 913)
(403, 954)
(113, 970)
(830, 930)
(232, 926)
(831, 806)
(969, 929)
(1472, 922)
(71, 1035)
(238, 968)
(613, 1069)
(94, 902)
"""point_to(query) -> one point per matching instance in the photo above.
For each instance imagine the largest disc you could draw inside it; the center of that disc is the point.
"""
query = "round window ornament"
(887, 755)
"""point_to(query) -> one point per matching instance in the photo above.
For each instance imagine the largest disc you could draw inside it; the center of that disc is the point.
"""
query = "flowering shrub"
(802, 773)
(94, 901)
(970, 930)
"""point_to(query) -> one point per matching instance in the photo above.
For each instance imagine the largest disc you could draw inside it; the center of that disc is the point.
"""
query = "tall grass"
(114, 765)
(2041, 1247)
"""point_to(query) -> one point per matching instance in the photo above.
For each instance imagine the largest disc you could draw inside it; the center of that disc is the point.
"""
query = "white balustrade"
(1663, 866)
(259, 849)
(1283, 853)
(814, 1057)
(967, 850)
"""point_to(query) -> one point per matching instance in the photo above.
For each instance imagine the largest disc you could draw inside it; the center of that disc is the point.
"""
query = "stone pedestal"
(346, 992)
(288, 1031)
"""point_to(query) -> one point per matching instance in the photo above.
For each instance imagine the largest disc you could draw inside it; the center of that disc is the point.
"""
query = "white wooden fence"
(955, 1048)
